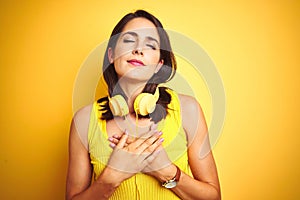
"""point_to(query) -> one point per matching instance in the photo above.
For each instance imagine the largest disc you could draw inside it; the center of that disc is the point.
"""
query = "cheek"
(118, 65)
(153, 57)
(122, 50)
(119, 70)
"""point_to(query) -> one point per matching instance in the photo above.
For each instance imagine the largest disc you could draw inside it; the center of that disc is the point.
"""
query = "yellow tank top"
(141, 186)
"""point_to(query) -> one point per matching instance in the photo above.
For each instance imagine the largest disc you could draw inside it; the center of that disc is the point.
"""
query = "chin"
(137, 75)
(137, 78)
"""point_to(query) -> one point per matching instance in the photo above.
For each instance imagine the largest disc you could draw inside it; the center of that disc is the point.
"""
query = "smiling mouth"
(135, 62)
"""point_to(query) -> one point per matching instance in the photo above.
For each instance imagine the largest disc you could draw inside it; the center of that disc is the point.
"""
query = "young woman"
(143, 141)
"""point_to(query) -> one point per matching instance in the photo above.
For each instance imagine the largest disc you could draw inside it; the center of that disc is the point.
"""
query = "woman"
(143, 141)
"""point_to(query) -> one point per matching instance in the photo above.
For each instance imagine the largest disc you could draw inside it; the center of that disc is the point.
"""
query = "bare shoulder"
(193, 119)
(83, 112)
(82, 116)
(81, 120)
(79, 170)
(189, 104)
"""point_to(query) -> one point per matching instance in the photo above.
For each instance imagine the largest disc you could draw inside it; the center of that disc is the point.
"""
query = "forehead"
(141, 26)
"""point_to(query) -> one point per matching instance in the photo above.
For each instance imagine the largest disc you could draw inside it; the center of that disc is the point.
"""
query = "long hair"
(166, 72)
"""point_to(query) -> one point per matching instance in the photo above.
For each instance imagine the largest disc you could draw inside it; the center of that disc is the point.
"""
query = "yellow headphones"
(144, 104)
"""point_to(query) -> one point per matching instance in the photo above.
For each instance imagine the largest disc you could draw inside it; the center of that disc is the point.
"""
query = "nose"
(137, 51)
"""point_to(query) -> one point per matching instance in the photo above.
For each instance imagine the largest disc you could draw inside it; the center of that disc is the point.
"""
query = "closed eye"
(128, 41)
(151, 46)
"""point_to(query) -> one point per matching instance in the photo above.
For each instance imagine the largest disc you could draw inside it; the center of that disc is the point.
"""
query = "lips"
(135, 62)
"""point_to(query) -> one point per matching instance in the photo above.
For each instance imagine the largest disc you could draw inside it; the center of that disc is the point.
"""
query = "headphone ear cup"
(144, 104)
(118, 105)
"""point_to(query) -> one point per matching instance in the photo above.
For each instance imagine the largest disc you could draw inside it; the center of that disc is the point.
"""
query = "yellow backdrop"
(254, 44)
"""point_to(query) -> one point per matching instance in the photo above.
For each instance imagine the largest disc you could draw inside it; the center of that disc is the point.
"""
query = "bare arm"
(205, 184)
(80, 170)
(124, 162)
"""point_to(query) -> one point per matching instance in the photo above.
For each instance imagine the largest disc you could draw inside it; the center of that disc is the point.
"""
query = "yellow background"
(254, 44)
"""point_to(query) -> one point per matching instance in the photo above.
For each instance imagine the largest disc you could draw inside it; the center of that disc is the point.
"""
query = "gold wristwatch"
(173, 182)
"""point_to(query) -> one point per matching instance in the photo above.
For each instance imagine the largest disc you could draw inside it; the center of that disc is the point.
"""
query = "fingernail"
(110, 139)
(112, 145)
(161, 139)
(126, 132)
(160, 133)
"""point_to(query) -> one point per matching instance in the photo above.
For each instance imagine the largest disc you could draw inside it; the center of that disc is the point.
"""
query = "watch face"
(171, 184)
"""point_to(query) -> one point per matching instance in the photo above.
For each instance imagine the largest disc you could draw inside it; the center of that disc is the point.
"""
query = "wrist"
(109, 177)
(167, 173)
(171, 183)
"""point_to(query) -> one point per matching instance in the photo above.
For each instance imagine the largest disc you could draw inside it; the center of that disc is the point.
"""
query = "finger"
(122, 141)
(117, 136)
(148, 134)
(135, 142)
(151, 143)
(112, 145)
(157, 145)
(140, 142)
(160, 146)
(130, 139)
(113, 140)
(152, 156)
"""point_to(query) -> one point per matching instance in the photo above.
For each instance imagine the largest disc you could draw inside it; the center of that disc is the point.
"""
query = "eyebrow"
(136, 35)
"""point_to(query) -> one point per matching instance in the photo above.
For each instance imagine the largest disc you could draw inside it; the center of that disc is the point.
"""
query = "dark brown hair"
(166, 72)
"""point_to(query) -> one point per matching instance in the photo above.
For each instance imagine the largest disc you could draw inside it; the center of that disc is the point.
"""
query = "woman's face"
(137, 52)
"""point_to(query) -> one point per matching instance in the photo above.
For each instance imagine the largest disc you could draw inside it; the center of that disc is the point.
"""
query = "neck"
(131, 89)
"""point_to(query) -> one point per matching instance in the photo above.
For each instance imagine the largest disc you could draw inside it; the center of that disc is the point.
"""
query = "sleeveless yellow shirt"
(141, 186)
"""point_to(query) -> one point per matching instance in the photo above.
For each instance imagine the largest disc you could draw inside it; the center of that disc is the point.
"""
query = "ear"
(110, 55)
(159, 65)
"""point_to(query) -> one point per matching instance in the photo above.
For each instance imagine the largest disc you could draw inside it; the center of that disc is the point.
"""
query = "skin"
(139, 40)
(145, 151)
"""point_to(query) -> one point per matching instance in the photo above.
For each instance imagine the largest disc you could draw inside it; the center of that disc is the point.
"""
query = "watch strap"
(175, 178)
(178, 174)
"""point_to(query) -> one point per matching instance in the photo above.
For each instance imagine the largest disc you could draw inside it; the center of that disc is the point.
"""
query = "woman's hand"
(157, 165)
(128, 159)
(160, 166)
